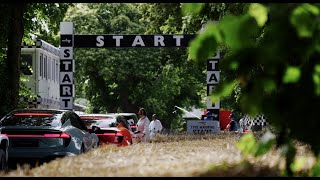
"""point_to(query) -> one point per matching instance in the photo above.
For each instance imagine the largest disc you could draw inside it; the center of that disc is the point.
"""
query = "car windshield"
(130, 119)
(31, 119)
(99, 121)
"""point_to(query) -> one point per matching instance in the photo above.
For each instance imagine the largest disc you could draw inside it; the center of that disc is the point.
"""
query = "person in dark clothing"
(233, 124)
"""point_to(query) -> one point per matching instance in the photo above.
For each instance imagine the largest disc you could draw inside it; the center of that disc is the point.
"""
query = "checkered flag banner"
(259, 120)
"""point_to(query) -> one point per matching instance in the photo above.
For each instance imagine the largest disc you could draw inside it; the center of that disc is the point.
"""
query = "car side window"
(125, 123)
(135, 118)
(75, 122)
(118, 120)
(82, 125)
(65, 117)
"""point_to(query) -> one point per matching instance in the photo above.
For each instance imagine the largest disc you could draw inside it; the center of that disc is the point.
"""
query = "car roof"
(124, 114)
(94, 115)
(98, 115)
(53, 111)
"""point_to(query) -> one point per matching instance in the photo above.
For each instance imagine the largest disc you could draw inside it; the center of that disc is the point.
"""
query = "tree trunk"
(15, 34)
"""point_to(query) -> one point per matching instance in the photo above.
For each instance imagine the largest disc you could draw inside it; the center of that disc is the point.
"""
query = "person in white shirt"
(142, 133)
(155, 126)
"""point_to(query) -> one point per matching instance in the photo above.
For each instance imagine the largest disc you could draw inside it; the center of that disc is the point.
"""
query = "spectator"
(233, 124)
(155, 126)
(142, 133)
(126, 134)
(208, 116)
(241, 125)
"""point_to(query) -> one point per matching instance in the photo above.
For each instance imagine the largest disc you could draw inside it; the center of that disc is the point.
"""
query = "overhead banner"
(102, 41)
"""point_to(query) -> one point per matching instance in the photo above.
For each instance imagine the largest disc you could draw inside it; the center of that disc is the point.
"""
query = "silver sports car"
(46, 134)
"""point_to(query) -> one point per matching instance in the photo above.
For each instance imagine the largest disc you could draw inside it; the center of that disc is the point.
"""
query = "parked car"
(110, 128)
(40, 134)
(131, 118)
(4, 143)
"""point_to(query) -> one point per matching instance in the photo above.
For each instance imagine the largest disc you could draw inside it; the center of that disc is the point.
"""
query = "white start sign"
(203, 126)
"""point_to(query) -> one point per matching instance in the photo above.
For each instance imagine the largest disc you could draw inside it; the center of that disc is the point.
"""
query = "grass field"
(178, 155)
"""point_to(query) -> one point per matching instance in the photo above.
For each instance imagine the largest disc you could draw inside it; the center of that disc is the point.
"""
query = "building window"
(45, 67)
(26, 64)
(53, 69)
(49, 68)
(41, 65)
(58, 72)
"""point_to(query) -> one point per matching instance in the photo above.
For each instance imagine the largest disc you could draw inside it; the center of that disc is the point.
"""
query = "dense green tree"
(18, 20)
(12, 32)
(167, 18)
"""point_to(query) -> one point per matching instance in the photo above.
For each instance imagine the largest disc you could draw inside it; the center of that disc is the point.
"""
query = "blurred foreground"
(177, 155)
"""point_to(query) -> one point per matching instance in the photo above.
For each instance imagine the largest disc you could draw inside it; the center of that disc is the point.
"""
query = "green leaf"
(223, 90)
(315, 171)
(269, 85)
(234, 65)
(316, 78)
(251, 103)
(265, 144)
(303, 18)
(205, 44)
(291, 75)
(239, 31)
(247, 144)
(259, 12)
(298, 164)
(191, 8)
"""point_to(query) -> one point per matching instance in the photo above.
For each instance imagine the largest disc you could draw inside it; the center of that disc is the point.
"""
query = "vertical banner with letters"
(66, 65)
(213, 78)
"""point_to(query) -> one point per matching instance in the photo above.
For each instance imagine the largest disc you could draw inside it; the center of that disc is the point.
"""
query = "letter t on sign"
(67, 65)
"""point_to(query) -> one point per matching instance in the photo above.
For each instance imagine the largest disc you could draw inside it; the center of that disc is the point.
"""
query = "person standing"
(233, 125)
(142, 133)
(155, 126)
(208, 116)
(242, 126)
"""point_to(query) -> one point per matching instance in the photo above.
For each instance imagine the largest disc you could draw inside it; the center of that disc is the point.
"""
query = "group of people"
(147, 130)
(236, 126)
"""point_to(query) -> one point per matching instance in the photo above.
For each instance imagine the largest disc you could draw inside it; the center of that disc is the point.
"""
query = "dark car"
(4, 143)
(46, 134)
(131, 118)
(110, 128)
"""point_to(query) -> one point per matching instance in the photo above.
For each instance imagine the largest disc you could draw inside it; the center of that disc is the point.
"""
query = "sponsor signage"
(66, 66)
(213, 78)
(202, 126)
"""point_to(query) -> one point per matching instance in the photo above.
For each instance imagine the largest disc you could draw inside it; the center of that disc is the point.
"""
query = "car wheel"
(3, 161)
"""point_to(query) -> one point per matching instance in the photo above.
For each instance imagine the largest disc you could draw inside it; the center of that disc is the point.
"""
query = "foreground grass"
(168, 155)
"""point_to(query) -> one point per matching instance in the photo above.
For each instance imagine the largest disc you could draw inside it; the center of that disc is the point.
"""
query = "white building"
(40, 65)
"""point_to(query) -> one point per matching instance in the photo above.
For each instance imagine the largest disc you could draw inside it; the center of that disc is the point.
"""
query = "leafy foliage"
(275, 63)
(249, 146)
(34, 19)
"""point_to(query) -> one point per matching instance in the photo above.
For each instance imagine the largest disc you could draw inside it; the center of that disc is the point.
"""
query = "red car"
(131, 118)
(110, 128)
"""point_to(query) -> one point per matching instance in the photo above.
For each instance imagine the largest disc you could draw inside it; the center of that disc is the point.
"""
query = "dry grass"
(168, 155)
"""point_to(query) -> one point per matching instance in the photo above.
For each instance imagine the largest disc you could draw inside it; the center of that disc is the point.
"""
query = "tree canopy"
(125, 79)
